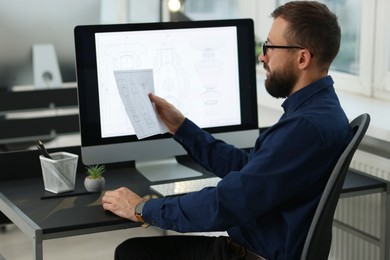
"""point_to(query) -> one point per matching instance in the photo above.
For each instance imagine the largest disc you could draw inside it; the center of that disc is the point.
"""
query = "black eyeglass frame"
(265, 46)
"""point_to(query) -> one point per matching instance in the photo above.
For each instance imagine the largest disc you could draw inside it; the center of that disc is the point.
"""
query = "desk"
(20, 201)
(42, 219)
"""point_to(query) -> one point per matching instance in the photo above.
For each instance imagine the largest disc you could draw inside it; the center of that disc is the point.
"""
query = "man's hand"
(171, 117)
(121, 202)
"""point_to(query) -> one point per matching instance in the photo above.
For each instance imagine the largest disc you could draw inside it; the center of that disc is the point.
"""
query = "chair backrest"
(319, 238)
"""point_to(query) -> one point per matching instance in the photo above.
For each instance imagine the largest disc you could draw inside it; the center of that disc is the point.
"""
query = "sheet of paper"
(134, 87)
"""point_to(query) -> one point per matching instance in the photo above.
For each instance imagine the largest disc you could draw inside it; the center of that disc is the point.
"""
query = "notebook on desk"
(183, 187)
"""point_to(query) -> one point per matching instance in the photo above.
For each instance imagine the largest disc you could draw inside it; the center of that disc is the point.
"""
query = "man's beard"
(280, 83)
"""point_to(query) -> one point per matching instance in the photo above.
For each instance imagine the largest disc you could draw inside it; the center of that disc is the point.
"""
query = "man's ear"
(304, 59)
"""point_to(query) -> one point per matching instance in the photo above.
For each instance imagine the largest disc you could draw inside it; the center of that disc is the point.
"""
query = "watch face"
(138, 211)
(139, 208)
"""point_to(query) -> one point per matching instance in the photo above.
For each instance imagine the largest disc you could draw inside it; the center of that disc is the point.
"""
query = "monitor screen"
(205, 68)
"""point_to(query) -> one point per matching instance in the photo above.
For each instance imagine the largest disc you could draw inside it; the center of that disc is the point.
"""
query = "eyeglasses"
(266, 47)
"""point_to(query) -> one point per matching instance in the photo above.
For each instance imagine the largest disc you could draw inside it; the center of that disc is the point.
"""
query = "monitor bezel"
(87, 80)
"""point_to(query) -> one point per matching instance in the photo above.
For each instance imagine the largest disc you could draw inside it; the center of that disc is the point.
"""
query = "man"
(267, 197)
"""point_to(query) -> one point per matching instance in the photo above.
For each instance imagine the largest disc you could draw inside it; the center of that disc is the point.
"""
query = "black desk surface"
(85, 211)
(356, 181)
(58, 214)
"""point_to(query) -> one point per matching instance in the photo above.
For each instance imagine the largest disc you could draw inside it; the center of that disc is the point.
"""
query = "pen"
(42, 149)
(66, 195)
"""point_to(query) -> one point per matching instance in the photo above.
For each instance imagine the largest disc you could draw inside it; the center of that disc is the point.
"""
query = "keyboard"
(183, 187)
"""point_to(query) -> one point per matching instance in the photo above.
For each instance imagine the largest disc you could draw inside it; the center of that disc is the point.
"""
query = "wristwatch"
(138, 211)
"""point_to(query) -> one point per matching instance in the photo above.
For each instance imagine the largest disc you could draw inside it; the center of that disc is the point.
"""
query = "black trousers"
(177, 248)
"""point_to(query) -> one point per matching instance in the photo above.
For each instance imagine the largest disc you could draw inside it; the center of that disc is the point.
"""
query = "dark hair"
(313, 26)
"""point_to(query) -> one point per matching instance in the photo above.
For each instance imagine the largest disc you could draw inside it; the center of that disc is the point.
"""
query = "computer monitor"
(25, 23)
(205, 68)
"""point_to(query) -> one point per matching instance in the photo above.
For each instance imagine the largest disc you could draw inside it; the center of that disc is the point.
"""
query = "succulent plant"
(95, 171)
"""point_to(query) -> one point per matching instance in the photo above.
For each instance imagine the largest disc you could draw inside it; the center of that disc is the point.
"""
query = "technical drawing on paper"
(133, 87)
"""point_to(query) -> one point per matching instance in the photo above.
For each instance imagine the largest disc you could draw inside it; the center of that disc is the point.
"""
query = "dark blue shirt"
(267, 196)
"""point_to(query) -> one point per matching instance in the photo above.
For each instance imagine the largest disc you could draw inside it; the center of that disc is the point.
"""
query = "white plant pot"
(94, 185)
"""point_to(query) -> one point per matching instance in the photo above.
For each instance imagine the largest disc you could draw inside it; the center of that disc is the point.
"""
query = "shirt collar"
(302, 95)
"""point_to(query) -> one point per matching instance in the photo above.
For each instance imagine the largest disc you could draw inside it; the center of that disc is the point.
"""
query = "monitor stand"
(165, 169)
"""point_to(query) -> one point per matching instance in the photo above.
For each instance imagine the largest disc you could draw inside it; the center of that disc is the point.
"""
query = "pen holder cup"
(59, 173)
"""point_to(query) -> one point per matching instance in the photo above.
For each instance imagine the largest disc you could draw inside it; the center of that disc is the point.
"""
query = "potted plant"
(95, 181)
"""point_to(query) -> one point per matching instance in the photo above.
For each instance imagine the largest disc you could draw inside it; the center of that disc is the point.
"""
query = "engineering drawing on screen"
(196, 70)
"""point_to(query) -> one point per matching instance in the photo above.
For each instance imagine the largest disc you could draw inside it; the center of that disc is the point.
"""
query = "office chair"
(319, 238)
